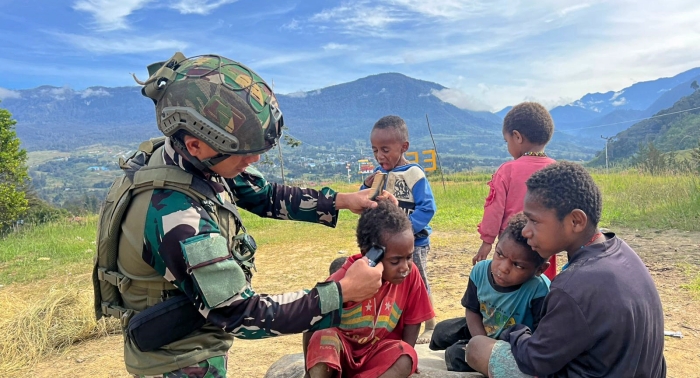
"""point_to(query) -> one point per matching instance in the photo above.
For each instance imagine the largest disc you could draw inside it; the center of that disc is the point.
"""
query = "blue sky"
(490, 53)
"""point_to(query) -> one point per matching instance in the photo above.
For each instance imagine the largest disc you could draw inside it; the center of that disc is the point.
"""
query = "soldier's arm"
(252, 192)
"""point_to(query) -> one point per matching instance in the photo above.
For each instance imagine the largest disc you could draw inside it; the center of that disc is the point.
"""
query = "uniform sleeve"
(418, 309)
(173, 219)
(562, 335)
(494, 208)
(425, 205)
(253, 193)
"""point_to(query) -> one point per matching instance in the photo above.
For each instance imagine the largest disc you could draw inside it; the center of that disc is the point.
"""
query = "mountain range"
(341, 116)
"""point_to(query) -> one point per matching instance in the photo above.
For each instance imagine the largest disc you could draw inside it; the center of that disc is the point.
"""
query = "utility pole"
(606, 152)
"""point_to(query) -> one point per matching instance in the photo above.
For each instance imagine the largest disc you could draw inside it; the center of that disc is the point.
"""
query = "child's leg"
(455, 357)
(420, 258)
(402, 368)
(324, 353)
(448, 332)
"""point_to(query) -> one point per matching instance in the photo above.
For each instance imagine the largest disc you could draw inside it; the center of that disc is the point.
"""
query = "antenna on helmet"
(279, 145)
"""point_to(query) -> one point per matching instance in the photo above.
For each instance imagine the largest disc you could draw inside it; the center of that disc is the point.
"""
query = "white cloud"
(358, 16)
(99, 92)
(338, 46)
(298, 94)
(110, 14)
(292, 25)
(201, 7)
(125, 45)
(8, 93)
(57, 93)
(616, 95)
(460, 99)
(619, 102)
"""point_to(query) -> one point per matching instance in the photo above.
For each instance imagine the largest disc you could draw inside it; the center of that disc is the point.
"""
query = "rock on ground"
(431, 364)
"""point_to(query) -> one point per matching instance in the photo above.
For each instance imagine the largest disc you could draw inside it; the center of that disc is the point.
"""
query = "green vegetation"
(13, 172)
(631, 200)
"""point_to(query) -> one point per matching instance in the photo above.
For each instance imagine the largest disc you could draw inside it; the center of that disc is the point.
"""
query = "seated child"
(378, 334)
(602, 316)
(508, 290)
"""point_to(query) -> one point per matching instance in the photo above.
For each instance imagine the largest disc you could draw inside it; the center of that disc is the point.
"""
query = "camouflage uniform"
(174, 219)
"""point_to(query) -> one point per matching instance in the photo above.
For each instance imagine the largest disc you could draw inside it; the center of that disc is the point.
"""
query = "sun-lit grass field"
(61, 254)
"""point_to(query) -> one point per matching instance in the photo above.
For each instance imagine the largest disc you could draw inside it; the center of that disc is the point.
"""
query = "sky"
(489, 53)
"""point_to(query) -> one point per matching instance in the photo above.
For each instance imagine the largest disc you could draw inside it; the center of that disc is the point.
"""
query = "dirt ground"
(673, 257)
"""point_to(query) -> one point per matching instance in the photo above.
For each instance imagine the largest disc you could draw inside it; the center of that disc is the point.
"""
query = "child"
(506, 291)
(527, 128)
(602, 316)
(377, 335)
(407, 182)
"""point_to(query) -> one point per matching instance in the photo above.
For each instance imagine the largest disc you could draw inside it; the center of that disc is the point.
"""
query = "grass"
(53, 261)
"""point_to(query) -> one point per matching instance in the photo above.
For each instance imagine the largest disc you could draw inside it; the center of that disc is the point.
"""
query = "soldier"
(182, 235)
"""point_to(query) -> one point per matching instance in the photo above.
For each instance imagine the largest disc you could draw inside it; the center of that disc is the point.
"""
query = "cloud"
(616, 95)
(619, 102)
(90, 92)
(298, 94)
(460, 99)
(338, 46)
(57, 93)
(8, 93)
(110, 14)
(124, 45)
(358, 16)
(292, 25)
(201, 7)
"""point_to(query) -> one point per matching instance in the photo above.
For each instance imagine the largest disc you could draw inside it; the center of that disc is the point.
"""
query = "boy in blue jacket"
(407, 182)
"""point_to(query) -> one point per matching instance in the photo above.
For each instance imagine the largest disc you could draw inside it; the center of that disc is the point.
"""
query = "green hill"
(673, 129)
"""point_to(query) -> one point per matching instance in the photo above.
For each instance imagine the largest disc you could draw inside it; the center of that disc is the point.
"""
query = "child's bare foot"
(425, 337)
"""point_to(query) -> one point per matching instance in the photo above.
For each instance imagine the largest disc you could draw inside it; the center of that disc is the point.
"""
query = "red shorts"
(333, 349)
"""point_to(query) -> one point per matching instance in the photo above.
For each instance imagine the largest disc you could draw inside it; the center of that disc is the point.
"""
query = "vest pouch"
(164, 323)
(214, 271)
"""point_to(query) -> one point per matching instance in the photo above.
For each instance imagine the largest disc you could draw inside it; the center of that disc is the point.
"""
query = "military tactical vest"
(124, 283)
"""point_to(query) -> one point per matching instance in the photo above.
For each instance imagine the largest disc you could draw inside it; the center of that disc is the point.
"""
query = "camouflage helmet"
(217, 100)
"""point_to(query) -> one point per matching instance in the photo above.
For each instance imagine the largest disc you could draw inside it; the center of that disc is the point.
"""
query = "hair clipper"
(378, 185)
(375, 255)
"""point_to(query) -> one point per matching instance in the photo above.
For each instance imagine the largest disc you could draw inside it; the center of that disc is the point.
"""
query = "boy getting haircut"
(602, 316)
(527, 128)
(408, 183)
(506, 291)
(377, 334)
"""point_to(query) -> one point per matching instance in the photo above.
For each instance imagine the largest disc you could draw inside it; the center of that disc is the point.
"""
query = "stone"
(431, 364)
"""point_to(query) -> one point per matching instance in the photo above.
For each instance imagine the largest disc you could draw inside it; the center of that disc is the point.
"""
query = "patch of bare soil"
(672, 258)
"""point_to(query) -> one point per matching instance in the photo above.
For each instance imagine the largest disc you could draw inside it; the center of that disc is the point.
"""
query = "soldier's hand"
(388, 196)
(361, 281)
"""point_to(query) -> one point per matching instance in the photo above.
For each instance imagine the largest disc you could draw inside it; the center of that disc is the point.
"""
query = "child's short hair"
(373, 223)
(393, 122)
(516, 223)
(336, 264)
(564, 187)
(532, 120)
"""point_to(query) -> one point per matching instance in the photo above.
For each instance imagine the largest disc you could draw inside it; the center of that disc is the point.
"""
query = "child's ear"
(541, 269)
(404, 146)
(578, 220)
(517, 137)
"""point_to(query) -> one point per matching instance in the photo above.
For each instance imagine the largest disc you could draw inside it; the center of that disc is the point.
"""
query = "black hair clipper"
(375, 255)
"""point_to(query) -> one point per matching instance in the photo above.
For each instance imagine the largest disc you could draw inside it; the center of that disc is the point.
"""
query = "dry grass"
(45, 319)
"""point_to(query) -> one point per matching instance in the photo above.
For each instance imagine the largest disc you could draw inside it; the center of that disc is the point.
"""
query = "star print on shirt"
(369, 307)
(388, 306)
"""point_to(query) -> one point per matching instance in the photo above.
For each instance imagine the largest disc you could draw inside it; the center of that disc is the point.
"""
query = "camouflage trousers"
(214, 367)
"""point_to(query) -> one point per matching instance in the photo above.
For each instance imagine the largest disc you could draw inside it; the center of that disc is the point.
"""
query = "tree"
(13, 172)
(694, 85)
(695, 156)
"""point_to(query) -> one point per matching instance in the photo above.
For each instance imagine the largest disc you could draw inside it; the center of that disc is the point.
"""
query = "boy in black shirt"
(602, 316)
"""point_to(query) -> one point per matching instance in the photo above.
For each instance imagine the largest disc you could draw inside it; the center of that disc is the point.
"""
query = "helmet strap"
(203, 166)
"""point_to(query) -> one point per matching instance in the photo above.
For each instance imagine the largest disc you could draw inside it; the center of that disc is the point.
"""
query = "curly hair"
(374, 224)
(393, 122)
(564, 187)
(514, 230)
(532, 120)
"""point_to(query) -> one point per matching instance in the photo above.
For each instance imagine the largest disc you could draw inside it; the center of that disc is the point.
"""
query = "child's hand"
(483, 253)
(369, 180)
